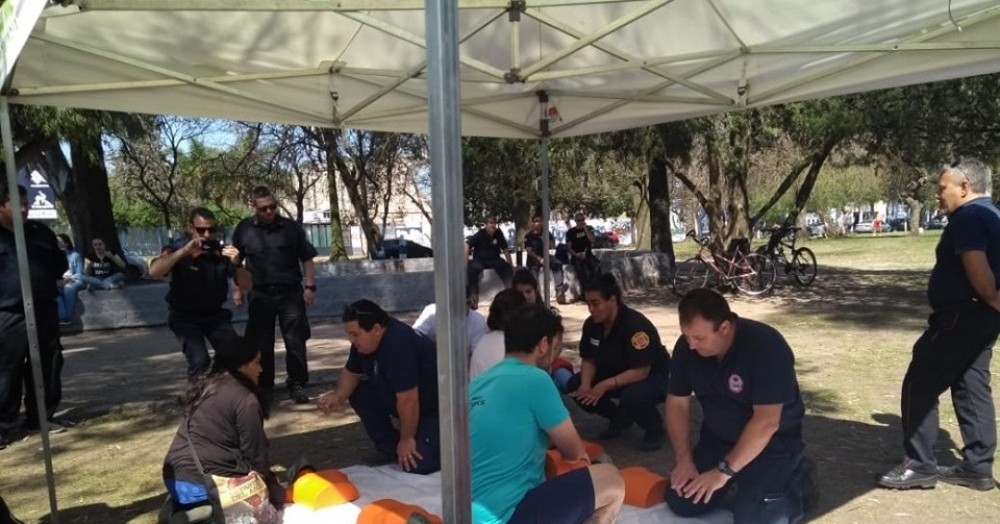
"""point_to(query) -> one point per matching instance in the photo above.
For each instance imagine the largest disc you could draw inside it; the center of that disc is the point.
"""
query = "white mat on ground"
(425, 491)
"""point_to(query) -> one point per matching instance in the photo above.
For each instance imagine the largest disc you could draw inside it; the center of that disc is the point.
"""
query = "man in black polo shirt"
(580, 243)
(278, 256)
(954, 351)
(623, 359)
(391, 373)
(534, 247)
(486, 246)
(47, 263)
(743, 374)
(200, 270)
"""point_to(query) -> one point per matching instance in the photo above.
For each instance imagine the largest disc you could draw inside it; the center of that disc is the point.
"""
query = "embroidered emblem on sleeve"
(640, 340)
(735, 384)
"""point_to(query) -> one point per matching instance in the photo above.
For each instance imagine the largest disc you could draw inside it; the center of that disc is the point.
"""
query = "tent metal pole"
(543, 156)
(445, 125)
(31, 325)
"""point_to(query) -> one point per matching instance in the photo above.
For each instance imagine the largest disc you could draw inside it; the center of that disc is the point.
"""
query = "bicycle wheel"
(755, 275)
(803, 267)
(690, 274)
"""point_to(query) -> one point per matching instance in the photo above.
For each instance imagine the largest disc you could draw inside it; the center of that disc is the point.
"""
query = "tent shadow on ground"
(102, 512)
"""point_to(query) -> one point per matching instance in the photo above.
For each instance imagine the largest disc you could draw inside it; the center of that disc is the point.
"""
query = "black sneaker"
(298, 394)
(653, 441)
(960, 476)
(902, 477)
(3, 441)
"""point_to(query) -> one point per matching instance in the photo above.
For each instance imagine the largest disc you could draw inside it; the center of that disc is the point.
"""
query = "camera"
(212, 245)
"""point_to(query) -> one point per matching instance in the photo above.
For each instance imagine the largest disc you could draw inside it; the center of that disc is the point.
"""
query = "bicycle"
(801, 266)
(750, 273)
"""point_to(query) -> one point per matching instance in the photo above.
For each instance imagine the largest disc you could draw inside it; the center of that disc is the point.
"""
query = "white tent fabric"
(606, 64)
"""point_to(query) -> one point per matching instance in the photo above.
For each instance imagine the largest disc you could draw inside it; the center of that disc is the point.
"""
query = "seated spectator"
(426, 324)
(223, 430)
(490, 349)
(515, 412)
(561, 370)
(104, 269)
(72, 281)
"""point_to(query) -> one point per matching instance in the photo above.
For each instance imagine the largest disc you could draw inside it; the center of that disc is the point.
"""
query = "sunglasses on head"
(267, 209)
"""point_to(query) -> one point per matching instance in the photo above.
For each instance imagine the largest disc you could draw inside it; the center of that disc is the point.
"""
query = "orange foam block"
(643, 488)
(391, 511)
(593, 450)
(322, 489)
(555, 465)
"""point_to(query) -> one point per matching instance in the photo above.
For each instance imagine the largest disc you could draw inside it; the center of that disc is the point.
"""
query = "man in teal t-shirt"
(515, 410)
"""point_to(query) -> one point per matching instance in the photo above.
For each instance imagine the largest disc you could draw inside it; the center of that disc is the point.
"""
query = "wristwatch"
(310, 288)
(724, 467)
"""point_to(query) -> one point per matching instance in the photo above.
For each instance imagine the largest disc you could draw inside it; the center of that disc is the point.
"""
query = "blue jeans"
(67, 299)
(105, 283)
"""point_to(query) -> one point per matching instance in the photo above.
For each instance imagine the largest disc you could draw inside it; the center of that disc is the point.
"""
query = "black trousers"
(555, 265)
(953, 353)
(375, 404)
(765, 493)
(636, 403)
(288, 307)
(15, 367)
(192, 329)
(476, 267)
(587, 268)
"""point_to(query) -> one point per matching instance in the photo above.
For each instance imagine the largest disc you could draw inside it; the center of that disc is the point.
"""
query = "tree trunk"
(641, 230)
(338, 250)
(805, 190)
(87, 199)
(659, 209)
(916, 210)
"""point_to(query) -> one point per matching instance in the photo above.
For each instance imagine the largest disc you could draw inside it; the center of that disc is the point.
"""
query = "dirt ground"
(851, 331)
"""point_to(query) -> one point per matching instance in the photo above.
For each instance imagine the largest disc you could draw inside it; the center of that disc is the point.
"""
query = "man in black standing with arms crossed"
(200, 270)
(279, 258)
(47, 264)
(954, 351)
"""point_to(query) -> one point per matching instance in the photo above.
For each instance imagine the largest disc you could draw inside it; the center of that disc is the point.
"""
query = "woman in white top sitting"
(490, 349)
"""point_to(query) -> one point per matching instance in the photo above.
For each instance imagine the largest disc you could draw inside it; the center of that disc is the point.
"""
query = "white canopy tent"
(524, 68)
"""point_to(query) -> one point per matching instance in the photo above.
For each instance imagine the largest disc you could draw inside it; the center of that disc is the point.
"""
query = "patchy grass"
(852, 332)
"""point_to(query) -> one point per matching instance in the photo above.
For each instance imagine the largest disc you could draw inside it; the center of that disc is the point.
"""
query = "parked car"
(605, 240)
(897, 224)
(390, 249)
(936, 222)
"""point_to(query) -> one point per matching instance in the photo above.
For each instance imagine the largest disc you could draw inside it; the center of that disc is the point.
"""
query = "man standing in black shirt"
(47, 265)
(279, 257)
(200, 269)
(486, 246)
(580, 242)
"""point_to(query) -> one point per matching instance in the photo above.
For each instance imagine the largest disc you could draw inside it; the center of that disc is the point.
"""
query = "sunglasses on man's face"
(267, 209)
(204, 230)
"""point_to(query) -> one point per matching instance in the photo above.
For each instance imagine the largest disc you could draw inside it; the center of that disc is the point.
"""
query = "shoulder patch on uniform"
(640, 340)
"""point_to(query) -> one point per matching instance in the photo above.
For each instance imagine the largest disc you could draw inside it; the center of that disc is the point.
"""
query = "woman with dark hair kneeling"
(221, 443)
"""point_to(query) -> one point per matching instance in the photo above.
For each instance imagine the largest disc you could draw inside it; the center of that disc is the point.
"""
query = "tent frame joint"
(516, 8)
(513, 76)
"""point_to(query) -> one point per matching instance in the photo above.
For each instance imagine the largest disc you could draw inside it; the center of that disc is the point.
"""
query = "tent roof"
(605, 64)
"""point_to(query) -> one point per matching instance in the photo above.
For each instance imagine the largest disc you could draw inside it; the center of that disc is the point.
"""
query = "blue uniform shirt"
(486, 247)
(759, 368)
(633, 342)
(199, 285)
(973, 227)
(404, 360)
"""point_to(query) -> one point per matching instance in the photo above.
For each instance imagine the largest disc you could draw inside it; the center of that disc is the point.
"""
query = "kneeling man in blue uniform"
(390, 375)
(514, 412)
(743, 374)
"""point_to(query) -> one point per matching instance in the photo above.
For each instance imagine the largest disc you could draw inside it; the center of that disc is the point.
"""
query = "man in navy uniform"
(47, 263)
(743, 374)
(623, 359)
(279, 258)
(486, 246)
(580, 241)
(200, 270)
(391, 373)
(534, 247)
(954, 351)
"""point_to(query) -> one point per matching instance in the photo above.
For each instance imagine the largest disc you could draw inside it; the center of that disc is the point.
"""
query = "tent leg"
(29, 306)
(546, 269)
(445, 124)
